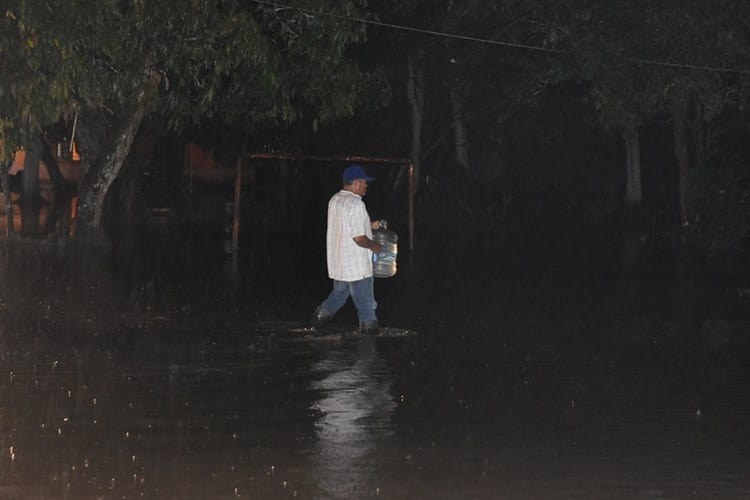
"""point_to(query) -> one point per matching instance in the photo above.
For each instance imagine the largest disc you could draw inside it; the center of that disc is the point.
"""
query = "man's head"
(355, 179)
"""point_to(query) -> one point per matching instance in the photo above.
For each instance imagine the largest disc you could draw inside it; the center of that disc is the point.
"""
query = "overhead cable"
(381, 24)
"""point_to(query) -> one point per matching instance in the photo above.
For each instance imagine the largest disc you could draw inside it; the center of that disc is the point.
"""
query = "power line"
(399, 27)
(649, 62)
(712, 69)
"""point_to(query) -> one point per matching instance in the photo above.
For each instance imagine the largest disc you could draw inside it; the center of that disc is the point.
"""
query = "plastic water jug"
(384, 263)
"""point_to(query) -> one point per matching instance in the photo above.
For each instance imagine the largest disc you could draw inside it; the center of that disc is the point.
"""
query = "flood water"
(156, 371)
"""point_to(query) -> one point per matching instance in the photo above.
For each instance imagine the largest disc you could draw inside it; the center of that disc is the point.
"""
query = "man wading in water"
(349, 249)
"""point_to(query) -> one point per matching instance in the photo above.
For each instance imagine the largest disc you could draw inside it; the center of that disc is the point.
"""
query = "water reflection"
(45, 218)
(355, 410)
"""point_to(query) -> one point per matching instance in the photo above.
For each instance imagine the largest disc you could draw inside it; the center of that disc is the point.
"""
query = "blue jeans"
(362, 293)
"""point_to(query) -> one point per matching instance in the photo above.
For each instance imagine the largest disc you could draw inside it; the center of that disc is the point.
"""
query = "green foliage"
(719, 193)
(240, 62)
(722, 220)
(642, 57)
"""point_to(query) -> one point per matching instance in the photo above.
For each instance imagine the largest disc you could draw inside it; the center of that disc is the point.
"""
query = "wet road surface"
(531, 388)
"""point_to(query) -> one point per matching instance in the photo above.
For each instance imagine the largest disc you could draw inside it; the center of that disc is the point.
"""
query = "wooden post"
(236, 216)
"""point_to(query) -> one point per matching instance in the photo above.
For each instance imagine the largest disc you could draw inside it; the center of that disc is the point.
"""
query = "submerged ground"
(161, 372)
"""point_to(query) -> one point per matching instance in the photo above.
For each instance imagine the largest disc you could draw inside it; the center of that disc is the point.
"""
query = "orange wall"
(70, 169)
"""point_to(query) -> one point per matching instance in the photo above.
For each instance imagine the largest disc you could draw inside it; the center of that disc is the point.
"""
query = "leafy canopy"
(239, 61)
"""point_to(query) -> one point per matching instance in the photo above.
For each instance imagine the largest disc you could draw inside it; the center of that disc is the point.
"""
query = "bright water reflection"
(354, 410)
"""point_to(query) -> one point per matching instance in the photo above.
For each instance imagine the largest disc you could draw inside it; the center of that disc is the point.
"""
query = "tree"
(458, 88)
(110, 63)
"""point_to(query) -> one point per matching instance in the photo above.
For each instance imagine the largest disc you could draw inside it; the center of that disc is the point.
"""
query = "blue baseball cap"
(354, 172)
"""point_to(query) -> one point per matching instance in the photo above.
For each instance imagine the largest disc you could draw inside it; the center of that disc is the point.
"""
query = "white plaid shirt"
(347, 219)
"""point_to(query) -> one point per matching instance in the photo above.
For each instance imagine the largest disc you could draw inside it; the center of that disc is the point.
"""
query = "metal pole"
(367, 159)
(411, 206)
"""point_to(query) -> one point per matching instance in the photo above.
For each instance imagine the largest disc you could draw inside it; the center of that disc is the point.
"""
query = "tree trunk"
(682, 154)
(633, 187)
(633, 231)
(31, 197)
(124, 195)
(415, 87)
(697, 134)
(459, 131)
(58, 181)
(30, 190)
(101, 172)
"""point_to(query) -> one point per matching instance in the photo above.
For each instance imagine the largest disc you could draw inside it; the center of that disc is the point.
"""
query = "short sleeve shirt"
(347, 219)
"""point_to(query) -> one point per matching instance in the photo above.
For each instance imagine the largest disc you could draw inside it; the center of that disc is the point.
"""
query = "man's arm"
(366, 242)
